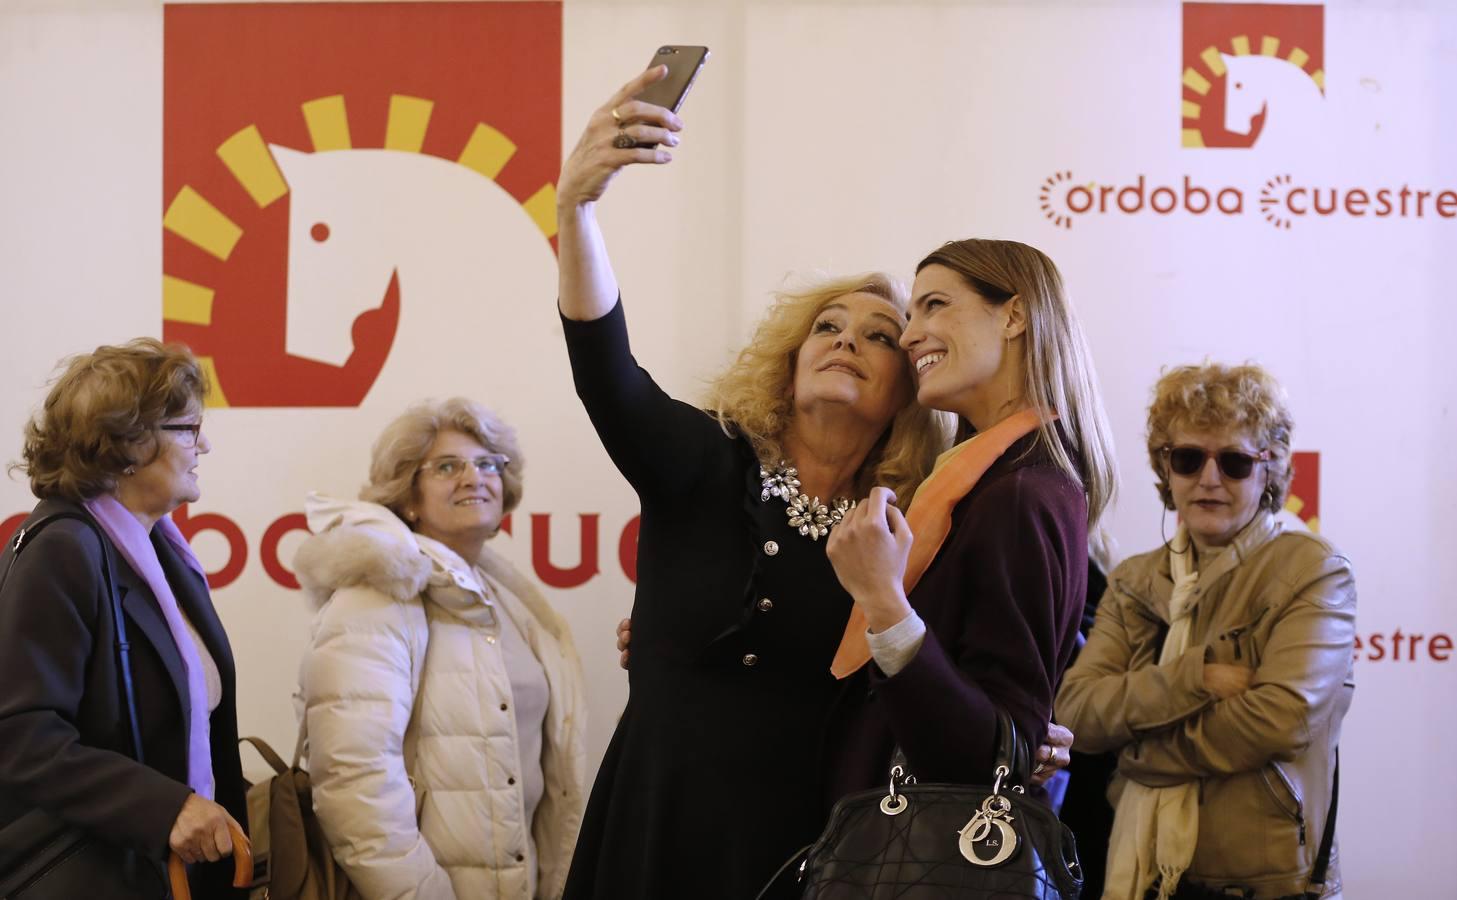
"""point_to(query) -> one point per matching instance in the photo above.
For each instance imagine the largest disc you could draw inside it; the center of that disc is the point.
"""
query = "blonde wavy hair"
(1215, 397)
(401, 448)
(754, 397)
(1059, 375)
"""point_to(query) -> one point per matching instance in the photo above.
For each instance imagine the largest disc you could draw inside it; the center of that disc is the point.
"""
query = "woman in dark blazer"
(970, 602)
(117, 444)
(713, 776)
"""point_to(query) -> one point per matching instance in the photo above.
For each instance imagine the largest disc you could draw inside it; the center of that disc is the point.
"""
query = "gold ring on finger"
(624, 141)
(616, 118)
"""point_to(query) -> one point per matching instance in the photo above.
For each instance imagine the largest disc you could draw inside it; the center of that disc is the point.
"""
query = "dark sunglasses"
(1235, 465)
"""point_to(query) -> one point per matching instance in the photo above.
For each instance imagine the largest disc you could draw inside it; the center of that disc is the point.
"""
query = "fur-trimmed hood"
(359, 543)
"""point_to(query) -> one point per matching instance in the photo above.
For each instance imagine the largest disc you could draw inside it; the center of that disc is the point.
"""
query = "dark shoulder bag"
(44, 858)
(942, 841)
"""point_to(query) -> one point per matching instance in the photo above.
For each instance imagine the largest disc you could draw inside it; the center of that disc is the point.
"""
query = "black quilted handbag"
(942, 841)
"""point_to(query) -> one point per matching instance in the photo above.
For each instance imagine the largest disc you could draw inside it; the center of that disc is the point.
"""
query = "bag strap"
(267, 752)
(1327, 838)
(23, 537)
(1012, 753)
(1012, 750)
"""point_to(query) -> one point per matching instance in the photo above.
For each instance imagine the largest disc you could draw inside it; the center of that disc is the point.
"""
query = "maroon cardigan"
(1001, 602)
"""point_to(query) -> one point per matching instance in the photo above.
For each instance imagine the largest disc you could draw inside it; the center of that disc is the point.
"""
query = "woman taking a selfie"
(713, 775)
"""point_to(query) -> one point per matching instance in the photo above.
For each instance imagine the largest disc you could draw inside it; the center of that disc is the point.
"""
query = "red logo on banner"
(278, 122)
(1303, 501)
(1250, 70)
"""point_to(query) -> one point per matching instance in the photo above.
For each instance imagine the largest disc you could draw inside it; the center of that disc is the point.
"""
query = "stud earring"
(129, 470)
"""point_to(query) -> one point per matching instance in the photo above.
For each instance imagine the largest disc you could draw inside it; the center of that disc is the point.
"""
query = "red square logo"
(1246, 64)
(291, 131)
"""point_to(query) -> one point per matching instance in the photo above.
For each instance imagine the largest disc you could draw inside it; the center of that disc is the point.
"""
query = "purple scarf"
(136, 548)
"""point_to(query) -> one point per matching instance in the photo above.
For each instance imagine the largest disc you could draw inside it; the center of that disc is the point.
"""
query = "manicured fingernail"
(672, 139)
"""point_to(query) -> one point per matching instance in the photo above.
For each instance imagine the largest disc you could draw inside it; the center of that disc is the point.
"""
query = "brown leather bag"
(292, 859)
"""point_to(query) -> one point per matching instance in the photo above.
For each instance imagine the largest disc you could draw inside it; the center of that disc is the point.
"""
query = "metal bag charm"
(989, 838)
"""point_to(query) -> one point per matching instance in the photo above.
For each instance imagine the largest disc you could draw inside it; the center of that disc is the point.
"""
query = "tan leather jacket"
(1282, 603)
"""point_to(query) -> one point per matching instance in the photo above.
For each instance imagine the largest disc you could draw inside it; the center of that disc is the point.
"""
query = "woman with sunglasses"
(1220, 664)
(443, 697)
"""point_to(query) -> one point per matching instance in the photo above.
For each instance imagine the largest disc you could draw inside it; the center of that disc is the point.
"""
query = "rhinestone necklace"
(813, 518)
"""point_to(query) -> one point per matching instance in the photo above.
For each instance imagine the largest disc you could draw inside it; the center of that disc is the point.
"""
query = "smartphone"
(683, 64)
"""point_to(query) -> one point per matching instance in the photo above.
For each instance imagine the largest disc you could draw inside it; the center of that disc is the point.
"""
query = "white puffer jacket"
(412, 750)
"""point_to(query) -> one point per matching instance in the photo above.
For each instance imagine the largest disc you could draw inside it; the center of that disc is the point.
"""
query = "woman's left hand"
(1054, 754)
(596, 160)
(869, 550)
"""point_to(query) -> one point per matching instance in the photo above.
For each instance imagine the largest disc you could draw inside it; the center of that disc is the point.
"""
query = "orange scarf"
(956, 472)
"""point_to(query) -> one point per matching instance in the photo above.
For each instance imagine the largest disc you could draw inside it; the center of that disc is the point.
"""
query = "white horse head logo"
(1274, 95)
(458, 247)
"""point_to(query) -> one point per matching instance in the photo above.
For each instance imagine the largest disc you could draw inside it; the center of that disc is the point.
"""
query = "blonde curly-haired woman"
(1220, 665)
(442, 695)
(714, 775)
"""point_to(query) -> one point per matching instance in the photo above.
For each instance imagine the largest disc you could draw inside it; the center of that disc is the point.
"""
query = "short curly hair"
(754, 397)
(1215, 397)
(401, 448)
(103, 413)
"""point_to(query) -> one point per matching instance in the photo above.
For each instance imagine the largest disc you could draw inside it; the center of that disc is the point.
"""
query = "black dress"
(713, 777)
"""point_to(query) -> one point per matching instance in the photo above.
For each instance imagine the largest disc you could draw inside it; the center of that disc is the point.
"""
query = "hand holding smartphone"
(683, 65)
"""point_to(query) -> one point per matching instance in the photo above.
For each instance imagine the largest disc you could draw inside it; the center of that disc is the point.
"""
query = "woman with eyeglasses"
(443, 700)
(1220, 664)
(113, 451)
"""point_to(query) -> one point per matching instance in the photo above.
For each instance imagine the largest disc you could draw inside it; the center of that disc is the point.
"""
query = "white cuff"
(896, 646)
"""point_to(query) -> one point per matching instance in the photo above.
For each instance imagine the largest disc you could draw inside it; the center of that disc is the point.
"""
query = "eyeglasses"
(186, 434)
(447, 468)
(1235, 465)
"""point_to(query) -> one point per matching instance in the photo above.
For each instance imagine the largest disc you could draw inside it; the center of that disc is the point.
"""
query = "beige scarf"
(1155, 829)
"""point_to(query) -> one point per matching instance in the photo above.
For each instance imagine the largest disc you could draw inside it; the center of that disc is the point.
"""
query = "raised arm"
(588, 287)
(656, 442)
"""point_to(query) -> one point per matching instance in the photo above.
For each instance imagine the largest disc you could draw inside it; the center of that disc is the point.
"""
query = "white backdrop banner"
(344, 207)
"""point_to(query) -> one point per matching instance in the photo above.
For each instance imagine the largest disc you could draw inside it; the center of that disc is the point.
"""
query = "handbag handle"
(1013, 755)
(1012, 762)
(242, 866)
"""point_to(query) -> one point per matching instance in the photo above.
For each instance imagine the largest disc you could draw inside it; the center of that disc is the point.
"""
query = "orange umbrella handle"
(242, 866)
